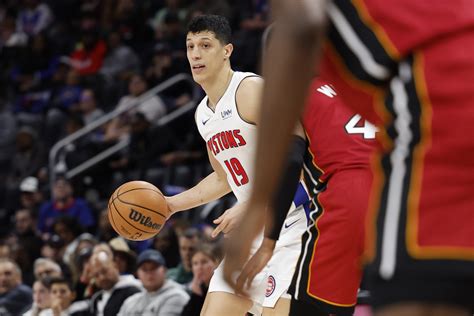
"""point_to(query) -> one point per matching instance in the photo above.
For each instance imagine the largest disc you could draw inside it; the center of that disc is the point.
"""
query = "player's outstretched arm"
(211, 188)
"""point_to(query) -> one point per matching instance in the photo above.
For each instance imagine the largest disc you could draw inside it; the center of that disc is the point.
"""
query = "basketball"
(137, 210)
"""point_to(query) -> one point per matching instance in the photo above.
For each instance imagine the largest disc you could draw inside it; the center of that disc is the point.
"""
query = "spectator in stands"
(7, 137)
(88, 57)
(28, 242)
(62, 297)
(65, 100)
(162, 297)
(124, 257)
(172, 35)
(30, 196)
(114, 288)
(41, 297)
(143, 150)
(129, 20)
(88, 106)
(28, 159)
(171, 6)
(164, 66)
(153, 108)
(188, 242)
(205, 260)
(120, 61)
(166, 242)
(218, 7)
(63, 203)
(46, 268)
(36, 67)
(253, 18)
(34, 17)
(53, 248)
(15, 297)
(11, 39)
(105, 232)
(68, 94)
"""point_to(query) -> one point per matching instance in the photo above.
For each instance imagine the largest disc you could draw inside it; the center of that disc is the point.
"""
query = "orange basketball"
(137, 210)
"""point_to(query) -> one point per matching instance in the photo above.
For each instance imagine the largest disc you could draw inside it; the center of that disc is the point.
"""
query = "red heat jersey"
(407, 65)
(338, 138)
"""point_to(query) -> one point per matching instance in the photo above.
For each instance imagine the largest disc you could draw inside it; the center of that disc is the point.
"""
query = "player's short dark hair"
(216, 24)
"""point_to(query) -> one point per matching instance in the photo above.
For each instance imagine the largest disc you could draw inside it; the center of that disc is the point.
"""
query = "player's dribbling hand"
(256, 264)
(229, 220)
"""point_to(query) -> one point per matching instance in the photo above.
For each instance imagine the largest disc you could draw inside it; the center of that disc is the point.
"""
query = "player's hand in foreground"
(237, 246)
(255, 265)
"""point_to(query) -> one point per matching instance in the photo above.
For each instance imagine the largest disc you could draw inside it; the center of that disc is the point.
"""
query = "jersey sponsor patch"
(226, 114)
(271, 284)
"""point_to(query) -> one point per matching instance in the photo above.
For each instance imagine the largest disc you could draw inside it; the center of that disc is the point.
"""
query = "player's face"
(206, 55)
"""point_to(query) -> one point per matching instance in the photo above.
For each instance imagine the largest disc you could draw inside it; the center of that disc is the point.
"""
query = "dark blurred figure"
(31, 196)
(36, 67)
(170, 6)
(8, 129)
(163, 66)
(105, 232)
(218, 7)
(34, 17)
(120, 61)
(28, 158)
(153, 108)
(15, 297)
(129, 20)
(28, 241)
(252, 19)
(63, 203)
(88, 106)
(89, 54)
(124, 257)
(172, 34)
(166, 242)
(144, 148)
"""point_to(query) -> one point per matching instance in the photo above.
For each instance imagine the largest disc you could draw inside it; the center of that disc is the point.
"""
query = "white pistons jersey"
(233, 141)
(229, 138)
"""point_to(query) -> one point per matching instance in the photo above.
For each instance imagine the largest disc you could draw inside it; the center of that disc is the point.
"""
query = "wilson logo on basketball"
(138, 217)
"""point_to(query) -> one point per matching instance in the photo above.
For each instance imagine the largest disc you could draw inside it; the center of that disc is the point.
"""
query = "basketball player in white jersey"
(226, 119)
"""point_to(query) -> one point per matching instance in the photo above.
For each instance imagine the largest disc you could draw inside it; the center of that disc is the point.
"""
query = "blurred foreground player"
(338, 175)
(412, 76)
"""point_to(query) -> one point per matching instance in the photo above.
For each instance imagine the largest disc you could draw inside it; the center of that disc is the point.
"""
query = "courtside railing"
(57, 153)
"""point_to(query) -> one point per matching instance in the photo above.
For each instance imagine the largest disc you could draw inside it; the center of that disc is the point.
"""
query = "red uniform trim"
(378, 30)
